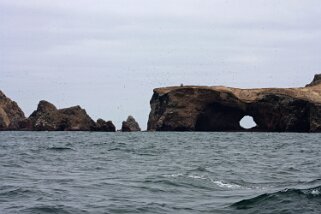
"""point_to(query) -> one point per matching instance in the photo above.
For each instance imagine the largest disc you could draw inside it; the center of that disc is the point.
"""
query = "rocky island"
(48, 118)
(130, 125)
(188, 108)
(219, 108)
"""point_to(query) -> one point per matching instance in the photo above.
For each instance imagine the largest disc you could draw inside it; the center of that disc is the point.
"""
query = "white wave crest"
(226, 185)
(315, 192)
(197, 177)
(201, 177)
(173, 175)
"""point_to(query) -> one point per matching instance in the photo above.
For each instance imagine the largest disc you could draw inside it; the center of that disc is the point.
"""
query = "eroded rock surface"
(202, 108)
(10, 113)
(48, 118)
(130, 125)
(104, 126)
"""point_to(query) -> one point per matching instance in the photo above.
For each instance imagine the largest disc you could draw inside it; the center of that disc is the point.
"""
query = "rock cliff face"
(130, 125)
(202, 108)
(10, 113)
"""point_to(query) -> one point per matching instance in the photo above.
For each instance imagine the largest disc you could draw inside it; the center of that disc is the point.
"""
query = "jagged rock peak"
(10, 113)
(130, 125)
(48, 118)
(45, 106)
(316, 80)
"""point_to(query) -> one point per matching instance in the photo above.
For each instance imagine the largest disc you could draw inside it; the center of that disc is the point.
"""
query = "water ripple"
(68, 172)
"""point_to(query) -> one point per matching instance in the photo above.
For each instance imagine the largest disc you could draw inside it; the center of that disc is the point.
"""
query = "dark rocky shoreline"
(48, 118)
(187, 108)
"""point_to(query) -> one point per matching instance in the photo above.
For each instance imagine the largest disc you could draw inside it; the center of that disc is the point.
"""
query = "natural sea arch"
(247, 122)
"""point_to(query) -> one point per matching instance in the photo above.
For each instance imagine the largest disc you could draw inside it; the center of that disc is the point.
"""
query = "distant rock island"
(130, 125)
(219, 108)
(48, 118)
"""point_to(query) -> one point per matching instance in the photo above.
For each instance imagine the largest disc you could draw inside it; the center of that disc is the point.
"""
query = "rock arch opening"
(247, 122)
(217, 117)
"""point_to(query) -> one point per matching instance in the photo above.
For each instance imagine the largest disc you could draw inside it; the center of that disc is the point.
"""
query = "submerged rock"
(104, 126)
(218, 108)
(130, 125)
(10, 113)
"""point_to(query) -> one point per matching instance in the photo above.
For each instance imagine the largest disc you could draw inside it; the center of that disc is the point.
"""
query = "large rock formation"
(130, 125)
(202, 108)
(48, 118)
(10, 113)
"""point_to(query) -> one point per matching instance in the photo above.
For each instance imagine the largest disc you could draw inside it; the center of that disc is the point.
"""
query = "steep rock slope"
(10, 113)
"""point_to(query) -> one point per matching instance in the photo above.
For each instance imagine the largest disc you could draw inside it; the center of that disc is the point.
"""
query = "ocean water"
(84, 172)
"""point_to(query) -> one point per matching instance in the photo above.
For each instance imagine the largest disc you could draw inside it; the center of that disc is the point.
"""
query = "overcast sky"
(107, 56)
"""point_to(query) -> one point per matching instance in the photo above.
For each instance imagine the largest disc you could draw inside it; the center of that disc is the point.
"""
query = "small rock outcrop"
(130, 125)
(104, 126)
(219, 108)
(48, 118)
(316, 81)
(10, 113)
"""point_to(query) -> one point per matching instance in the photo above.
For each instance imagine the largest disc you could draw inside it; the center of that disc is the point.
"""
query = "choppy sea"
(159, 172)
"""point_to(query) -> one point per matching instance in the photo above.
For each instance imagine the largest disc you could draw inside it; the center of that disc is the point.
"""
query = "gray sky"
(107, 56)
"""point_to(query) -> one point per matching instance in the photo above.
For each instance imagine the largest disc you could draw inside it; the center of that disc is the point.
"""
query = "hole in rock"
(247, 122)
